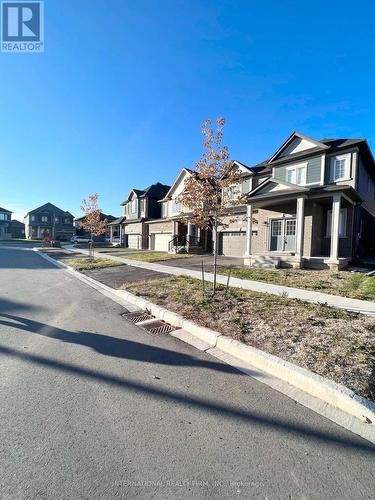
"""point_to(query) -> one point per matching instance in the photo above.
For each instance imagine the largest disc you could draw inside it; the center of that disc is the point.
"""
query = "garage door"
(133, 240)
(161, 241)
(233, 244)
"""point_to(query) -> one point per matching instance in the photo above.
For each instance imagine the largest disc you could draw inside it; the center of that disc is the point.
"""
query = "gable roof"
(308, 142)
(16, 223)
(271, 184)
(103, 216)
(5, 210)
(156, 191)
(49, 207)
(183, 171)
(327, 146)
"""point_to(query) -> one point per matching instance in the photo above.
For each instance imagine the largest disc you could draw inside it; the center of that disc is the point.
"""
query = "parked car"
(80, 239)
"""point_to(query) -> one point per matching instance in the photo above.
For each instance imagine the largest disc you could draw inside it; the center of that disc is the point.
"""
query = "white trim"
(322, 169)
(347, 174)
(299, 136)
(297, 166)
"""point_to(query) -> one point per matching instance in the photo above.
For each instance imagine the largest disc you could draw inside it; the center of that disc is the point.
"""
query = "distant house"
(5, 223)
(17, 229)
(139, 207)
(49, 221)
(80, 231)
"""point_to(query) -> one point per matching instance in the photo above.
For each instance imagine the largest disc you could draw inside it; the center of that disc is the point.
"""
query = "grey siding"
(313, 170)
(366, 188)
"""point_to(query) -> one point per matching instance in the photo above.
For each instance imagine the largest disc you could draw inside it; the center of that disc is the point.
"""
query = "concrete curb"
(332, 394)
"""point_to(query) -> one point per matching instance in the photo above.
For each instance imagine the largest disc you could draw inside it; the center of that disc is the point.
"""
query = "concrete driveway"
(94, 407)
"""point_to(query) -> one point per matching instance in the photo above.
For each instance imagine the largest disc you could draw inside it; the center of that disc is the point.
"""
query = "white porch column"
(249, 228)
(189, 234)
(120, 235)
(300, 227)
(111, 233)
(174, 233)
(336, 203)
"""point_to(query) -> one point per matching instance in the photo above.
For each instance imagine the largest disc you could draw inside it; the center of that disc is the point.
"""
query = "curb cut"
(357, 414)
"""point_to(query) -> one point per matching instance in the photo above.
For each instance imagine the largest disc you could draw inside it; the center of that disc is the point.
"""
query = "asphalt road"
(92, 406)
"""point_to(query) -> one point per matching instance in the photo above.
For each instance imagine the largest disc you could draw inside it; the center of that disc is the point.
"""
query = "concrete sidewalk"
(355, 305)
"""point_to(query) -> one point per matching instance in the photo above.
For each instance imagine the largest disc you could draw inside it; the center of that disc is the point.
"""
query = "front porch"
(188, 238)
(313, 230)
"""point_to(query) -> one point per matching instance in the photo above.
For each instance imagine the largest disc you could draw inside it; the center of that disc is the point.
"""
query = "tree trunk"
(92, 247)
(215, 255)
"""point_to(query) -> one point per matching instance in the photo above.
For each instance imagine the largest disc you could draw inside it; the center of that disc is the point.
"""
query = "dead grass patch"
(334, 343)
(344, 283)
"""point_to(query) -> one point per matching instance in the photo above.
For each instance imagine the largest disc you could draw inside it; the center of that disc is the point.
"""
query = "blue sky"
(118, 96)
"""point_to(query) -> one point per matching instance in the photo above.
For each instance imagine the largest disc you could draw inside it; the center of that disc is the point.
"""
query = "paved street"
(92, 406)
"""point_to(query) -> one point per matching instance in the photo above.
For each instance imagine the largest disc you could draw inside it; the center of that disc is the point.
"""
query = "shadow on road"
(113, 346)
(264, 421)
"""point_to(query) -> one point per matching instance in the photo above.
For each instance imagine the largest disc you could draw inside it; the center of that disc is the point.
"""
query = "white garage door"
(233, 244)
(161, 241)
(133, 240)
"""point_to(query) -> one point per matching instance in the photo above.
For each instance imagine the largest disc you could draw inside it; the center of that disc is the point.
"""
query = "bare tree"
(212, 189)
(92, 221)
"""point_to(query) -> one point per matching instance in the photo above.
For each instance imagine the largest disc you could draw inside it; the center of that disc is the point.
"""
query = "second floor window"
(233, 192)
(339, 172)
(44, 218)
(33, 218)
(176, 207)
(67, 220)
(339, 168)
(3, 217)
(133, 206)
(296, 174)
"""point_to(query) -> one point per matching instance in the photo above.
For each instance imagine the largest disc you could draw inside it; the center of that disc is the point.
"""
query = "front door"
(283, 235)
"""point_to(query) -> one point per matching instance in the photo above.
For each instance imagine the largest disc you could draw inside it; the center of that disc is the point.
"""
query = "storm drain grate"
(157, 327)
(137, 317)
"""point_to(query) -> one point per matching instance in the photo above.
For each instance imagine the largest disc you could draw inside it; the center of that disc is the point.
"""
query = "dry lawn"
(344, 283)
(333, 343)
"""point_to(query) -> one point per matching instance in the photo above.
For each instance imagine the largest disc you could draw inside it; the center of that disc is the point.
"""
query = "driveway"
(92, 406)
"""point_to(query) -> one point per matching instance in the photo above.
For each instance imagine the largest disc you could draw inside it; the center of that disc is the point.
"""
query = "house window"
(339, 168)
(3, 217)
(296, 174)
(276, 228)
(176, 207)
(133, 206)
(290, 228)
(56, 220)
(164, 209)
(67, 220)
(33, 218)
(44, 218)
(142, 205)
(342, 223)
(233, 192)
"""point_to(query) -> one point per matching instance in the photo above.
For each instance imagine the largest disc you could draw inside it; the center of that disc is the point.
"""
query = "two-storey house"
(140, 207)
(49, 221)
(5, 224)
(84, 233)
(171, 232)
(316, 208)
